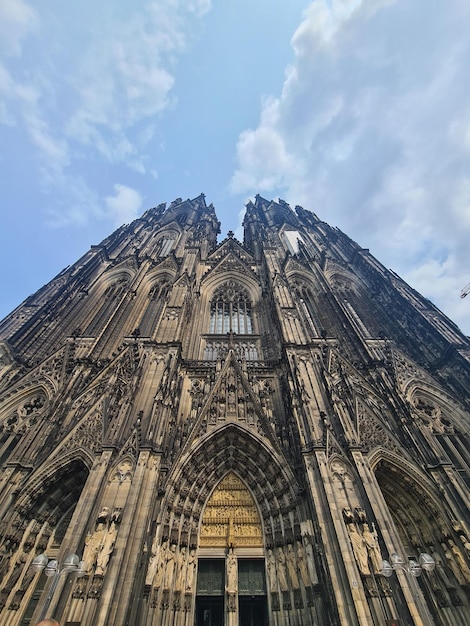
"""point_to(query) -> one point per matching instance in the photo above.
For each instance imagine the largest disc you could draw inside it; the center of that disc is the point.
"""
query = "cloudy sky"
(356, 109)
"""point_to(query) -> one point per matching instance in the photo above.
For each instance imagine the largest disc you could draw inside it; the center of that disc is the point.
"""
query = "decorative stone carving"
(231, 518)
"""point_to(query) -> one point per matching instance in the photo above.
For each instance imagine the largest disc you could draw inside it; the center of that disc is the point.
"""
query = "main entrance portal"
(215, 597)
(231, 580)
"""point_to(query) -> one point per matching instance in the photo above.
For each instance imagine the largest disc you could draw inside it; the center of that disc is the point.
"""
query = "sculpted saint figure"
(359, 549)
(92, 546)
(153, 563)
(271, 567)
(310, 561)
(373, 549)
(466, 544)
(452, 564)
(191, 569)
(94, 541)
(106, 549)
(291, 567)
(158, 582)
(460, 561)
(281, 569)
(170, 566)
(231, 572)
(302, 565)
(181, 572)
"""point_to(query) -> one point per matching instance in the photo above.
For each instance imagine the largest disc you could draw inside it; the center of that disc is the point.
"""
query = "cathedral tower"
(233, 433)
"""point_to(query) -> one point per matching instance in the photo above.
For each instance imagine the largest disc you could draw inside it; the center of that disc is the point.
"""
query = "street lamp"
(52, 569)
(413, 569)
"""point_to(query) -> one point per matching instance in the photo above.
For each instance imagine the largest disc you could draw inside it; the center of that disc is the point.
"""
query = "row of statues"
(455, 561)
(365, 546)
(290, 565)
(171, 567)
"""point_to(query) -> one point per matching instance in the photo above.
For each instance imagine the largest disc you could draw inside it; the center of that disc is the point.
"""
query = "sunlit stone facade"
(233, 433)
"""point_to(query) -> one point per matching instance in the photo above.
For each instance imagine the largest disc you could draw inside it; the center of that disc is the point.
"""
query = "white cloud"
(91, 90)
(126, 78)
(17, 19)
(125, 205)
(371, 130)
(73, 202)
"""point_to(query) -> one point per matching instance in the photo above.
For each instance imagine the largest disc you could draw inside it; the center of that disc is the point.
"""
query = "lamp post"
(53, 569)
(412, 569)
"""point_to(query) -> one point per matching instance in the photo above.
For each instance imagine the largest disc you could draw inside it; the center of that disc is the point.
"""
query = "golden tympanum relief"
(231, 518)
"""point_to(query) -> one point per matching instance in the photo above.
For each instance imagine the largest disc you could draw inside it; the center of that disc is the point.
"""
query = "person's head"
(48, 622)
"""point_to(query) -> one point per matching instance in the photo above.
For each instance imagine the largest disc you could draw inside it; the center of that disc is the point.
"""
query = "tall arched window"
(109, 302)
(307, 304)
(157, 298)
(231, 310)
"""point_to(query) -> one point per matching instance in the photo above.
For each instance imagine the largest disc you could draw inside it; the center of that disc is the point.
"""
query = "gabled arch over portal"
(230, 449)
(425, 524)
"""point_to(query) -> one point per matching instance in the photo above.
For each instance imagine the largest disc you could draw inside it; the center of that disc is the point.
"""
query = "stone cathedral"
(267, 432)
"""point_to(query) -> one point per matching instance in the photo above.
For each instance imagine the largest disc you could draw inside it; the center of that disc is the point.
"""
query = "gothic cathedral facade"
(271, 432)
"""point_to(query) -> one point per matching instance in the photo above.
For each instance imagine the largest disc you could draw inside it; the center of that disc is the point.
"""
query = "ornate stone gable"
(295, 265)
(406, 371)
(373, 431)
(232, 263)
(128, 263)
(228, 246)
(87, 434)
(364, 410)
(413, 381)
(169, 262)
(232, 399)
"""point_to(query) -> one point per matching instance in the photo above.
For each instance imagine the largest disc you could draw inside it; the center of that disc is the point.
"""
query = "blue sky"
(358, 110)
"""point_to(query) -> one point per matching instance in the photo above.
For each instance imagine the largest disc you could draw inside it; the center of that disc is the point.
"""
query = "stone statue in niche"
(372, 545)
(312, 570)
(191, 569)
(465, 543)
(94, 541)
(153, 563)
(181, 570)
(231, 572)
(271, 567)
(359, 549)
(302, 565)
(170, 566)
(291, 567)
(452, 564)
(99, 545)
(160, 566)
(305, 567)
(106, 550)
(281, 569)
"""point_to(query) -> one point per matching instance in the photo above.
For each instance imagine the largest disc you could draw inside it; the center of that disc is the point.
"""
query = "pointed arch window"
(157, 298)
(166, 246)
(231, 310)
(109, 302)
(307, 304)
